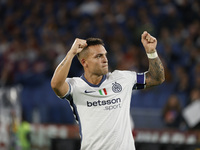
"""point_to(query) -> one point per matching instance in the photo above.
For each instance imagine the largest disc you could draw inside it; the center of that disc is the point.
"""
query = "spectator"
(172, 112)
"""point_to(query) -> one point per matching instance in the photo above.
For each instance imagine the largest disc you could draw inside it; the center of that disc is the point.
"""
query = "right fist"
(78, 46)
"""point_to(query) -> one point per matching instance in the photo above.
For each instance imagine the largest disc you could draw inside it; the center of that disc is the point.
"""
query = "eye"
(99, 56)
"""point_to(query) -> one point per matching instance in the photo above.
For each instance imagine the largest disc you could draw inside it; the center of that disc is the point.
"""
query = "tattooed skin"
(155, 74)
(63, 63)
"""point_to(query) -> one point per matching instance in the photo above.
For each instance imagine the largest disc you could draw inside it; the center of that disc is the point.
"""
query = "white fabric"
(191, 113)
(104, 119)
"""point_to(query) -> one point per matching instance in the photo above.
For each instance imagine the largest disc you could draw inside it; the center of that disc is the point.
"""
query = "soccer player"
(100, 100)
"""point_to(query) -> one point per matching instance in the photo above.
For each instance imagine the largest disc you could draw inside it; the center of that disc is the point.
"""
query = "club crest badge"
(116, 88)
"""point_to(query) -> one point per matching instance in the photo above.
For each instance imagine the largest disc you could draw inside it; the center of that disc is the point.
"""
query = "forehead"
(96, 49)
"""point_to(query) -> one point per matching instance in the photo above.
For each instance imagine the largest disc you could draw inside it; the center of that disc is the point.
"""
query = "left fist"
(149, 42)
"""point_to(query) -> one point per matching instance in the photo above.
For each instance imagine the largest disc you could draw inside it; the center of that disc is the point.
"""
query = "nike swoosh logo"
(89, 91)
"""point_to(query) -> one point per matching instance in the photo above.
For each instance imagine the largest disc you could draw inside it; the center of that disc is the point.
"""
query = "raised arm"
(155, 74)
(58, 83)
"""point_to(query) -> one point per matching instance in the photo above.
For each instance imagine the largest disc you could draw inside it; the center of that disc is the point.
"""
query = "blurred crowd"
(36, 35)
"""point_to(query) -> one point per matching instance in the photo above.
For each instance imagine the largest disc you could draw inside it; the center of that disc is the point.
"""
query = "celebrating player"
(100, 99)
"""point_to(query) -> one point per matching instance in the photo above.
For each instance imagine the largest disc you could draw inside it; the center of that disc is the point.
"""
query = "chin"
(105, 72)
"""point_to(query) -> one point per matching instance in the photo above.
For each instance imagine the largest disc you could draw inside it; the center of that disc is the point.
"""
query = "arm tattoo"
(155, 74)
(63, 62)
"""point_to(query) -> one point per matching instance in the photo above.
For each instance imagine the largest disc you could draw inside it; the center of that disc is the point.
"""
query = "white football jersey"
(103, 111)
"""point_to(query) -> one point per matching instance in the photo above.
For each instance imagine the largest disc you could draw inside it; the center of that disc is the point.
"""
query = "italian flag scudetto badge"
(103, 92)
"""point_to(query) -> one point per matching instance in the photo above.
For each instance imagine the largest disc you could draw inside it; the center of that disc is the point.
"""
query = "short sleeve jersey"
(103, 111)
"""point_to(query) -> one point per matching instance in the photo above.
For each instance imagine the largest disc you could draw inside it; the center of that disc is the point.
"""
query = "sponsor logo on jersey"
(116, 88)
(109, 104)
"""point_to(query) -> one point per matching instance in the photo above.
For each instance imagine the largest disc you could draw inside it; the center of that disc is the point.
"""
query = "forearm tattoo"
(63, 62)
(155, 74)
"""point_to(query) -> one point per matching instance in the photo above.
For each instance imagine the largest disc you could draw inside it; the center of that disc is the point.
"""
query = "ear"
(83, 62)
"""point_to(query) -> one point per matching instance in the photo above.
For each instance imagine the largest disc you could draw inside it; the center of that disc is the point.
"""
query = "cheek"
(91, 64)
(94, 66)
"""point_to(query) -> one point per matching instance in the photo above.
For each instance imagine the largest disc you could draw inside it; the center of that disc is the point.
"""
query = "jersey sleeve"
(140, 81)
(70, 82)
(137, 79)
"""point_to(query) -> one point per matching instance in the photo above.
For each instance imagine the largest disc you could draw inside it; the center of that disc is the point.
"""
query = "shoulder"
(125, 76)
(74, 80)
(122, 73)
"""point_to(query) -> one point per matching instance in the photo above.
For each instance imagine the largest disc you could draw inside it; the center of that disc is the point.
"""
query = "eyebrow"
(101, 54)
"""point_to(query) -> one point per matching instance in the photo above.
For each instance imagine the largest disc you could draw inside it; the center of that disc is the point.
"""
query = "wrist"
(71, 54)
(152, 55)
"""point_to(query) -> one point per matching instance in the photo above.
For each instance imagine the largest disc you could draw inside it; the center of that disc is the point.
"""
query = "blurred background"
(36, 35)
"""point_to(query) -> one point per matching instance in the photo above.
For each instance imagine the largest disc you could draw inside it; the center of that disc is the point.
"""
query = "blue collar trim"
(93, 85)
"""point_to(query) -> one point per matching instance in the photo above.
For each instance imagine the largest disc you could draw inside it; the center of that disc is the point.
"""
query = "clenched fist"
(78, 46)
(149, 42)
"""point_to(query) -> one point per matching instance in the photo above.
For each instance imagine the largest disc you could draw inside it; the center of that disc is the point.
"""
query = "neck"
(94, 79)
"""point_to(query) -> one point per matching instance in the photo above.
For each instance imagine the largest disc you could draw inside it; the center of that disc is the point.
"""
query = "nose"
(105, 60)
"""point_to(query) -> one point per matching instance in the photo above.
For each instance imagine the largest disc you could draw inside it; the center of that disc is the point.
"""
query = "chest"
(109, 95)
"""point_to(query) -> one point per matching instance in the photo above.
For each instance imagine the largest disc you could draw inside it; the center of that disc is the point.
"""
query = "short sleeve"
(129, 75)
(70, 82)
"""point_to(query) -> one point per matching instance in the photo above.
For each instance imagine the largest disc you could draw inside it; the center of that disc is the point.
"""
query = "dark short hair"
(93, 41)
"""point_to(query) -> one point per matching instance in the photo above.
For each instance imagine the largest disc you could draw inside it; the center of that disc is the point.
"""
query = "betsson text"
(109, 104)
